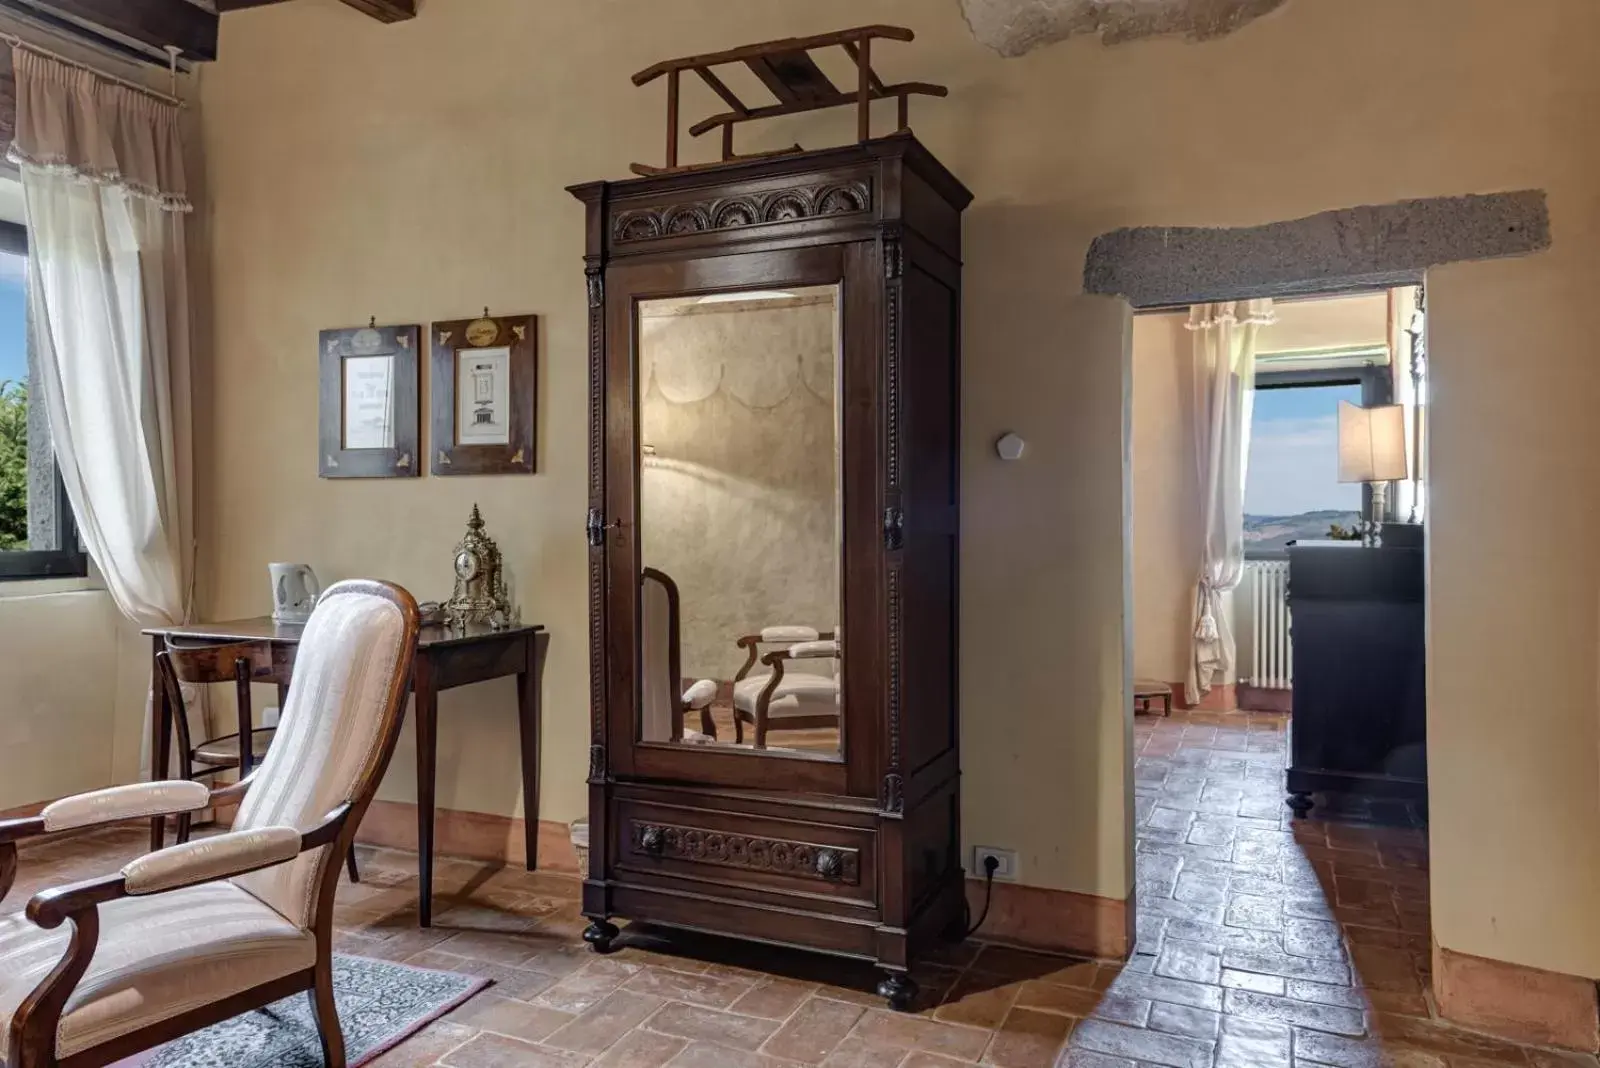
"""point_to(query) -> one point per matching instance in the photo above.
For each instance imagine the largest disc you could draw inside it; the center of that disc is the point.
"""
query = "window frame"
(1377, 387)
(68, 562)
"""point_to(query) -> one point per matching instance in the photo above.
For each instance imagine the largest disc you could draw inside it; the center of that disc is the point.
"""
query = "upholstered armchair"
(664, 700)
(777, 700)
(193, 934)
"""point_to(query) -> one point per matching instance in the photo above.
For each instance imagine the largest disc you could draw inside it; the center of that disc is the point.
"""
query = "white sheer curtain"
(102, 173)
(1224, 337)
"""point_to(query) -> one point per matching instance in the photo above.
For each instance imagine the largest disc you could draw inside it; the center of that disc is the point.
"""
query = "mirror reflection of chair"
(783, 699)
(663, 702)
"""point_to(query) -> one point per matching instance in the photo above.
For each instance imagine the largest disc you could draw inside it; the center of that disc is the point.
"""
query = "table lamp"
(1372, 449)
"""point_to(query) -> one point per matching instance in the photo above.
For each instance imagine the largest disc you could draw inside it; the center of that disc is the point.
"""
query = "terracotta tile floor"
(1262, 942)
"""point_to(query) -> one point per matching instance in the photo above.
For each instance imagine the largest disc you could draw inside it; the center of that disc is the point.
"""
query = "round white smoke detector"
(1010, 447)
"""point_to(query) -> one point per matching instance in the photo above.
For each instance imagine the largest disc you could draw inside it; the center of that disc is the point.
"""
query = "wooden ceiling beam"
(225, 6)
(386, 10)
(382, 10)
(154, 24)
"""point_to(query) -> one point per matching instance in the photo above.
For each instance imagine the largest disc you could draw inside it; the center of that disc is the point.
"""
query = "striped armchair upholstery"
(193, 934)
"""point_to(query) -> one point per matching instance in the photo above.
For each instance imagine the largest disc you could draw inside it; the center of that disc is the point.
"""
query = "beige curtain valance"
(71, 122)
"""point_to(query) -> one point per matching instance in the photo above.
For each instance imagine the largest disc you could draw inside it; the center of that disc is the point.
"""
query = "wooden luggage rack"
(786, 68)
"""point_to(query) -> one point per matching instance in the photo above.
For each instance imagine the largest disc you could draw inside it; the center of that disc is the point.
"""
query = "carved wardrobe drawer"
(701, 845)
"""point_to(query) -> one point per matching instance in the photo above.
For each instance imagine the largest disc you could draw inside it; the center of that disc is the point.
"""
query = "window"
(1292, 488)
(37, 535)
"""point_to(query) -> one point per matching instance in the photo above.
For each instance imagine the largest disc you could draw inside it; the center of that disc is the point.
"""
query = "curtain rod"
(16, 42)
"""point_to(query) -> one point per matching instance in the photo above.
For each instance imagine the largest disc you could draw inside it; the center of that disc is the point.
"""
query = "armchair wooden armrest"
(817, 650)
(136, 801)
(167, 869)
(820, 649)
(132, 802)
(218, 857)
(184, 865)
(751, 643)
(699, 696)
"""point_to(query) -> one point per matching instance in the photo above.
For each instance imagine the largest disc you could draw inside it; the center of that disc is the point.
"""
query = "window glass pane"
(1292, 488)
(14, 404)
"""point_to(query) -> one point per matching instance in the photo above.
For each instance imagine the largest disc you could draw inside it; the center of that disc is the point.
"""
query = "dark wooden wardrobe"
(840, 831)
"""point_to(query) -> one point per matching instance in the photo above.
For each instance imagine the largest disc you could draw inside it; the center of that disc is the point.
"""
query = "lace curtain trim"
(60, 167)
(1235, 312)
(106, 95)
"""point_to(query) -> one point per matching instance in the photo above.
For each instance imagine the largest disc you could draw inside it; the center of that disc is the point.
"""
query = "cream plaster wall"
(415, 171)
(1328, 323)
(1166, 497)
(738, 504)
(59, 675)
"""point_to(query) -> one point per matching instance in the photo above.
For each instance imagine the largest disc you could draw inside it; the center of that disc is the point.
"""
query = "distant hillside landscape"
(1268, 533)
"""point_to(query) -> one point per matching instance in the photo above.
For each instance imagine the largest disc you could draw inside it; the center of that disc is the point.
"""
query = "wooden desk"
(445, 659)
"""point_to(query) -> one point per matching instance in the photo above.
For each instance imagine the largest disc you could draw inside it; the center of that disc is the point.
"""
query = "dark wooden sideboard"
(1360, 700)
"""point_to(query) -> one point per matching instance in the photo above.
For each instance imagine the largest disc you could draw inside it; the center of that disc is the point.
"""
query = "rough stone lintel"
(1376, 245)
(1015, 27)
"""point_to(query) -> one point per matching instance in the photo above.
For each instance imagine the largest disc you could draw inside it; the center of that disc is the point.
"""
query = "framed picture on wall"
(369, 421)
(484, 392)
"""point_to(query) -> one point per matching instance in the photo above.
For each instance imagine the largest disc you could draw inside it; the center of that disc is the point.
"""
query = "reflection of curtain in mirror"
(739, 487)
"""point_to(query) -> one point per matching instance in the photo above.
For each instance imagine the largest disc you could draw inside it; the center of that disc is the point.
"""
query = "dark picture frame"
(384, 443)
(488, 368)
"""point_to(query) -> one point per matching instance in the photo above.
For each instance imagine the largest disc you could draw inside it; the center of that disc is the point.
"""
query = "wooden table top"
(263, 628)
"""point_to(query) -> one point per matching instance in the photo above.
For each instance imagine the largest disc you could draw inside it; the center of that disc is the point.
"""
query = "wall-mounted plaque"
(369, 422)
(484, 393)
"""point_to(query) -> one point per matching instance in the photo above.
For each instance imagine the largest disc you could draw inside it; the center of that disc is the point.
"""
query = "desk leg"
(427, 704)
(530, 715)
(160, 737)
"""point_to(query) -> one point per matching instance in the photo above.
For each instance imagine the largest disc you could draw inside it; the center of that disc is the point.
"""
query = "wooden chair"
(664, 700)
(195, 933)
(241, 663)
(778, 701)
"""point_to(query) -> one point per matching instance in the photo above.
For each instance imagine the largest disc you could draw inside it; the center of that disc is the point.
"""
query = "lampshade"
(1372, 443)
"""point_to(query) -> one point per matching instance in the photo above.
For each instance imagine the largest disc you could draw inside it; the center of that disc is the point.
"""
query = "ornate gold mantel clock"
(480, 595)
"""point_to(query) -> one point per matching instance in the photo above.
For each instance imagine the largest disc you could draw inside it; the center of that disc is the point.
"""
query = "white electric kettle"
(294, 592)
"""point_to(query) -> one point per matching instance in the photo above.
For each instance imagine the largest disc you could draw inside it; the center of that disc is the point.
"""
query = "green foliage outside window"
(13, 465)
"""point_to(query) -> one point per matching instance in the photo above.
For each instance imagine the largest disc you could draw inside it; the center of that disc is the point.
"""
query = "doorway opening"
(1359, 350)
(1322, 631)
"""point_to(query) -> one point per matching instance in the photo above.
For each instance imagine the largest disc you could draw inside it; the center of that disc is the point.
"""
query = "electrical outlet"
(1006, 858)
(269, 716)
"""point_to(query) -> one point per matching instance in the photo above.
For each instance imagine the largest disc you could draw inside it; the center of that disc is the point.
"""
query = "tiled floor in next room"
(1264, 943)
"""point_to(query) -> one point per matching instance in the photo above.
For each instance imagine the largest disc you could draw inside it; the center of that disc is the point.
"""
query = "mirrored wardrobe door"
(738, 522)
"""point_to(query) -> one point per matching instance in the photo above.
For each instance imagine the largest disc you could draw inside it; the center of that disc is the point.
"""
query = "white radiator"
(1267, 594)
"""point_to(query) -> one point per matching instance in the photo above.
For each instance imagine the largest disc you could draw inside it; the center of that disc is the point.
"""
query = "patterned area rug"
(380, 1005)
